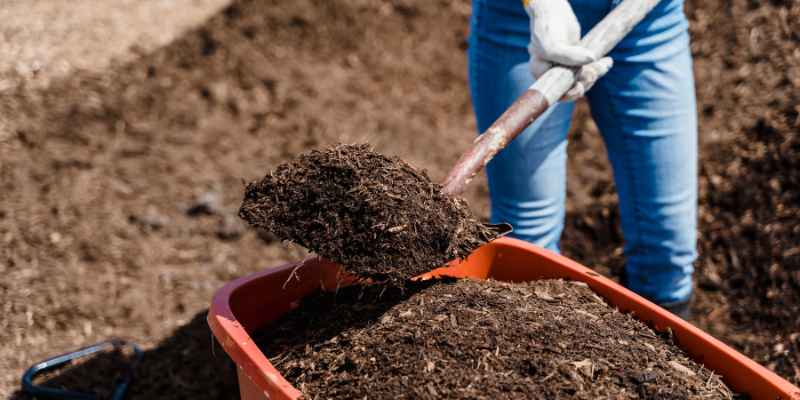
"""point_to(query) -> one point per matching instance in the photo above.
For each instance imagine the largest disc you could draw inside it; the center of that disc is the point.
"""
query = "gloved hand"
(555, 37)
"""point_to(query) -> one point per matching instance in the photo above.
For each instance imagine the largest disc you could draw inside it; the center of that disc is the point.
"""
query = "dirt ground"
(41, 40)
(120, 180)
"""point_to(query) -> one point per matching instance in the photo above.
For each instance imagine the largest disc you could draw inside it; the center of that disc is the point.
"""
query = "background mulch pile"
(478, 339)
(377, 216)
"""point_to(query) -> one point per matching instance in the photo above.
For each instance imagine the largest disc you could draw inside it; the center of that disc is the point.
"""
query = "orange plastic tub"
(251, 302)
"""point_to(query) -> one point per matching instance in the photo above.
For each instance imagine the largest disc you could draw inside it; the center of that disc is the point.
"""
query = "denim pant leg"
(527, 180)
(645, 109)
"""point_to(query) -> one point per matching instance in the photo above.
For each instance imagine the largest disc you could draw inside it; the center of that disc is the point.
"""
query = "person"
(644, 107)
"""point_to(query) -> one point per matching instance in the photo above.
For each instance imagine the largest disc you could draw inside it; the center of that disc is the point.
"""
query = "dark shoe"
(679, 308)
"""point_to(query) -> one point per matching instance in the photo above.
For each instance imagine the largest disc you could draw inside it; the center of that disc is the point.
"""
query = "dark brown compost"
(478, 340)
(98, 168)
(374, 214)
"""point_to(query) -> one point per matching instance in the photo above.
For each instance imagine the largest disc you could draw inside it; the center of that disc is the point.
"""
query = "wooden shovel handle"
(541, 95)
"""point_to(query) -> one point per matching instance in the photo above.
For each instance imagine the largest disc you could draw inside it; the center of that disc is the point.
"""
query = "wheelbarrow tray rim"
(248, 303)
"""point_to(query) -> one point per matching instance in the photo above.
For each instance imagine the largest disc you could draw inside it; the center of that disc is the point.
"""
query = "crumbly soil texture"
(478, 340)
(376, 215)
(100, 168)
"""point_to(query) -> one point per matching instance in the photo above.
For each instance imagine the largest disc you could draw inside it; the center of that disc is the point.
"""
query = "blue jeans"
(645, 109)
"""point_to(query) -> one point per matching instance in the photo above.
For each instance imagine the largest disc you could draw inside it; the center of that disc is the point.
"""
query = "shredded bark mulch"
(377, 215)
(99, 168)
(478, 340)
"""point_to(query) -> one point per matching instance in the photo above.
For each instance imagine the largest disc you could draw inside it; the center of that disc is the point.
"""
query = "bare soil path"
(45, 39)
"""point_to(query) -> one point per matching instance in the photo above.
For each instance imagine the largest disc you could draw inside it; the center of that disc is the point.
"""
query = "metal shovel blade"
(501, 229)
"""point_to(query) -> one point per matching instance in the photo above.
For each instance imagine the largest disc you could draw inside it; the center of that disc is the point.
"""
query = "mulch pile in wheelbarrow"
(376, 215)
(469, 339)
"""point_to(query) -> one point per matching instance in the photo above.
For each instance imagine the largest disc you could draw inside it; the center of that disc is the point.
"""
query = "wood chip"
(586, 314)
(429, 366)
(681, 368)
(543, 294)
(585, 367)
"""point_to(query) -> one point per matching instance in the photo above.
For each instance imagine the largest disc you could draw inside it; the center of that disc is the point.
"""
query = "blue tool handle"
(120, 388)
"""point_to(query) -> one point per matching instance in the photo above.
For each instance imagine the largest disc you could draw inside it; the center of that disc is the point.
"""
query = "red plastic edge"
(253, 368)
(253, 300)
(505, 259)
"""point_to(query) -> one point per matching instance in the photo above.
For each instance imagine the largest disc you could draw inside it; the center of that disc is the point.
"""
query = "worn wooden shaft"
(541, 95)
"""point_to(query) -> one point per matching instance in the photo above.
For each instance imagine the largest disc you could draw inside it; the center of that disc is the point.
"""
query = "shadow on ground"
(186, 365)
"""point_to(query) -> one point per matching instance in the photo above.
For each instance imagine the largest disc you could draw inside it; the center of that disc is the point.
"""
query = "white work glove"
(555, 37)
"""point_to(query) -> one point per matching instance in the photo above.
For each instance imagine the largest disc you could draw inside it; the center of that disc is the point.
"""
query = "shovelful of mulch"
(376, 215)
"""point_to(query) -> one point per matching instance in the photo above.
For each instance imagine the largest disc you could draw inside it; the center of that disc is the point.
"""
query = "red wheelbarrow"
(253, 301)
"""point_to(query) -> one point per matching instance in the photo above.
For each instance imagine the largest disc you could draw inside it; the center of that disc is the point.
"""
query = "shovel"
(541, 95)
